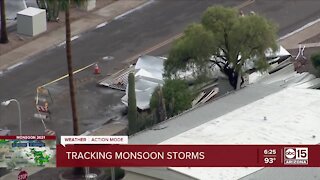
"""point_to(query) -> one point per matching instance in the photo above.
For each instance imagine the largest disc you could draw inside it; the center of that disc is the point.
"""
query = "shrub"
(177, 98)
(315, 58)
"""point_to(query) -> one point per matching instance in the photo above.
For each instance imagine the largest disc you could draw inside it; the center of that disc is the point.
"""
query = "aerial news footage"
(156, 89)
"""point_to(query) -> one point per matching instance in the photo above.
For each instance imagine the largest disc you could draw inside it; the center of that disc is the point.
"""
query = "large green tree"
(239, 38)
(229, 39)
(4, 34)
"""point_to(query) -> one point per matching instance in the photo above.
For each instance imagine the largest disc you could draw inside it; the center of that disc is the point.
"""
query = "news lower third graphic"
(128, 155)
(27, 151)
(114, 151)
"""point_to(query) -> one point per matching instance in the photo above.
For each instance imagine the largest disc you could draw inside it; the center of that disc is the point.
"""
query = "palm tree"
(4, 34)
(65, 4)
(70, 70)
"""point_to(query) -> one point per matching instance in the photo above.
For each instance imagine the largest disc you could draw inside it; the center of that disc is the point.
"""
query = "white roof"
(151, 76)
(292, 118)
(148, 75)
(144, 90)
(152, 65)
(31, 11)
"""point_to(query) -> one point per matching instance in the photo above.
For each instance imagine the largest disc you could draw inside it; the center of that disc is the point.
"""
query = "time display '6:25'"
(270, 152)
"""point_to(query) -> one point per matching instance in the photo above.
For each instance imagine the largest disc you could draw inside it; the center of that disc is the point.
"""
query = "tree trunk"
(4, 34)
(239, 83)
(232, 75)
(162, 106)
(70, 72)
(160, 112)
(77, 171)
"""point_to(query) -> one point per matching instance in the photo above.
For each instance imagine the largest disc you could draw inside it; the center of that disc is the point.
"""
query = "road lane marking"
(61, 44)
(134, 9)
(72, 38)
(101, 25)
(14, 66)
(75, 37)
(244, 4)
(67, 75)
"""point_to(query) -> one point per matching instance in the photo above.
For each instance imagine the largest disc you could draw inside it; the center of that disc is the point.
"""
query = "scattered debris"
(205, 97)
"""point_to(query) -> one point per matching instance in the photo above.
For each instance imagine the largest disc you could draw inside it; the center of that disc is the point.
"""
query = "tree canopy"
(191, 52)
(232, 39)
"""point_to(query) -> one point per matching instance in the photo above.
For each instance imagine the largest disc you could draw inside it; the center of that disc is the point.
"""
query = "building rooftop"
(286, 117)
(278, 109)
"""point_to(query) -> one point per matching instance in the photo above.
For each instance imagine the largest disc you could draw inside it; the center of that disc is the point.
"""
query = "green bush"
(177, 97)
(315, 58)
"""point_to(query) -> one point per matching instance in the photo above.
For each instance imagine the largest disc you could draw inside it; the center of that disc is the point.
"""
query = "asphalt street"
(121, 39)
(288, 14)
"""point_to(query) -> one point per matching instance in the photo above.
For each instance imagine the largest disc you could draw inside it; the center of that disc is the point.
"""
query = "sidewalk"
(57, 36)
(303, 35)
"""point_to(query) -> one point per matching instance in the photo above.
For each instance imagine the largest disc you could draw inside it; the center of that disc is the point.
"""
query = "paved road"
(120, 39)
(288, 14)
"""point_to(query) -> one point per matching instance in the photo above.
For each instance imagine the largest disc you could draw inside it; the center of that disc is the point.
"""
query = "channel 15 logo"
(296, 156)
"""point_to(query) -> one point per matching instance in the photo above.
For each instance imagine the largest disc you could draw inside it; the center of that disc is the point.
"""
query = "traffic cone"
(96, 69)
